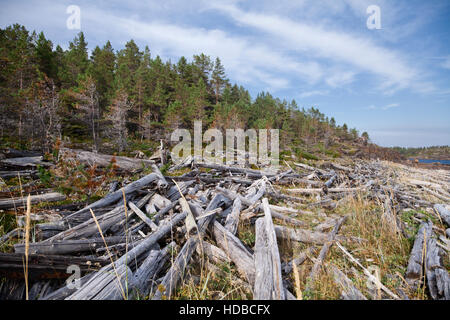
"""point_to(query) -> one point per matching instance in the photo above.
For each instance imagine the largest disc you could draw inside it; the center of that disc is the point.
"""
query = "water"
(432, 161)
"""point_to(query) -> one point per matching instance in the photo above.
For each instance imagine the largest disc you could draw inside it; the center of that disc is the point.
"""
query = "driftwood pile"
(141, 238)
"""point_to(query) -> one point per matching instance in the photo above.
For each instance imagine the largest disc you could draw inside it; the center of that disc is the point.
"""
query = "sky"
(392, 81)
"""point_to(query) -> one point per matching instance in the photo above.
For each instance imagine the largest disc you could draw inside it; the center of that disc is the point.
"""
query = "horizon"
(391, 82)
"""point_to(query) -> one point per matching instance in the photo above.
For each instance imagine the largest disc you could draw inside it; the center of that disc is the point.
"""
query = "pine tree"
(102, 71)
(45, 56)
(218, 79)
(76, 61)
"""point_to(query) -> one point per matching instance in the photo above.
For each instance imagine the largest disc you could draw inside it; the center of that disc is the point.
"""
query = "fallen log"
(45, 267)
(236, 251)
(232, 220)
(350, 292)
(62, 247)
(414, 271)
(326, 247)
(104, 160)
(21, 202)
(25, 162)
(15, 174)
(268, 281)
(444, 213)
(302, 235)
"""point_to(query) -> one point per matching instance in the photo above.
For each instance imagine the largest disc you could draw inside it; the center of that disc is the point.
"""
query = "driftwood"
(177, 270)
(45, 267)
(268, 281)
(15, 174)
(414, 272)
(103, 160)
(62, 247)
(25, 162)
(232, 221)
(142, 216)
(444, 213)
(237, 252)
(21, 202)
(303, 235)
(126, 261)
(324, 251)
(350, 292)
(214, 254)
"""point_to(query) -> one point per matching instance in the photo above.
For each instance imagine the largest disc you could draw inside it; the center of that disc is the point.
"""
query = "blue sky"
(393, 82)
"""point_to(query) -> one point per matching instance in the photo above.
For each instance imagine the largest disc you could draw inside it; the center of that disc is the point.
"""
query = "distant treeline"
(434, 152)
(48, 93)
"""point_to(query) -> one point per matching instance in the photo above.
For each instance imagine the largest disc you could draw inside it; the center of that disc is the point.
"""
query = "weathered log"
(191, 225)
(214, 254)
(45, 267)
(21, 202)
(350, 292)
(438, 278)
(10, 235)
(65, 290)
(444, 213)
(100, 277)
(302, 235)
(414, 271)
(25, 162)
(104, 160)
(145, 276)
(118, 195)
(232, 220)
(330, 190)
(250, 172)
(62, 247)
(268, 281)
(142, 216)
(237, 252)
(288, 267)
(177, 270)
(326, 247)
(288, 220)
(89, 227)
(15, 174)
(14, 153)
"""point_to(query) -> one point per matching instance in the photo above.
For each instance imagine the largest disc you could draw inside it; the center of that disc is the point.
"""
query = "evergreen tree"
(218, 79)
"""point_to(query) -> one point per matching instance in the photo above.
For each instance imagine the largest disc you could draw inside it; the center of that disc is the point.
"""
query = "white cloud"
(386, 107)
(308, 94)
(247, 61)
(321, 43)
(390, 106)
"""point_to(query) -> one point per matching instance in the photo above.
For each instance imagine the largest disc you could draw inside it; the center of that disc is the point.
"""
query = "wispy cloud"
(307, 94)
(313, 40)
(386, 107)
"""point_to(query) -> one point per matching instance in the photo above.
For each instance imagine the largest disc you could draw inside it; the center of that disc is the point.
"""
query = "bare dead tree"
(118, 116)
(88, 103)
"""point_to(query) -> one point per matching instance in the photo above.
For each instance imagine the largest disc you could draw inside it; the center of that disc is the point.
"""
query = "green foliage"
(162, 95)
(44, 175)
